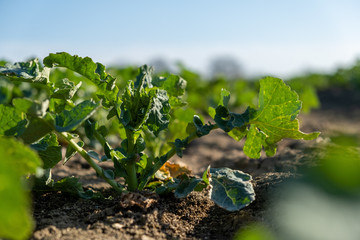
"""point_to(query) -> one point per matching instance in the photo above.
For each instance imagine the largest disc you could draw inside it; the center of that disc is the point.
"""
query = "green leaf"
(26, 71)
(180, 146)
(73, 186)
(16, 160)
(108, 173)
(93, 71)
(65, 89)
(173, 84)
(224, 97)
(254, 142)
(134, 108)
(49, 150)
(140, 144)
(38, 128)
(6, 91)
(84, 66)
(94, 155)
(276, 116)
(274, 120)
(70, 120)
(231, 189)
(206, 175)
(90, 128)
(144, 105)
(227, 121)
(12, 121)
(144, 79)
(212, 112)
(201, 129)
(108, 149)
(159, 112)
(186, 186)
(32, 107)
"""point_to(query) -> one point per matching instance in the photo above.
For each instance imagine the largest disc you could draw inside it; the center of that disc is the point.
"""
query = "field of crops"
(89, 152)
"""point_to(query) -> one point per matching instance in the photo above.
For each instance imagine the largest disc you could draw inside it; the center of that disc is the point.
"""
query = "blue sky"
(276, 37)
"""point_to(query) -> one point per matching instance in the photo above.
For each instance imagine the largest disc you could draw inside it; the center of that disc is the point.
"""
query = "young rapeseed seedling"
(141, 110)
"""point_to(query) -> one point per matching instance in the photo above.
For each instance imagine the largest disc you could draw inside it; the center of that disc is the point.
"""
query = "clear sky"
(267, 37)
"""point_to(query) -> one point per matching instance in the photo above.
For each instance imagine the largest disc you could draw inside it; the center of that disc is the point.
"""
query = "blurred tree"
(160, 65)
(225, 66)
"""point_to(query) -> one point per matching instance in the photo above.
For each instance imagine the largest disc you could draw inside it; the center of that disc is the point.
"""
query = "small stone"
(117, 226)
(144, 237)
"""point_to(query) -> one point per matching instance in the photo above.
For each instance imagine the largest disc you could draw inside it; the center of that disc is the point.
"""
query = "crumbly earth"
(146, 216)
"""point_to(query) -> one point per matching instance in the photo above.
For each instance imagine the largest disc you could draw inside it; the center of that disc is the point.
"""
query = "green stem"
(84, 154)
(163, 159)
(132, 180)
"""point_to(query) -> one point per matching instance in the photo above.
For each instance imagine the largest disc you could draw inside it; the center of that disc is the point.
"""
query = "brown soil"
(61, 216)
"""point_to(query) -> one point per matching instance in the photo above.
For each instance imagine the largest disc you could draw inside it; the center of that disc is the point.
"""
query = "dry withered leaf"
(173, 170)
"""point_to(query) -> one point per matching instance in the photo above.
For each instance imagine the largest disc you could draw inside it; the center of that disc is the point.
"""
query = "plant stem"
(163, 159)
(84, 154)
(132, 180)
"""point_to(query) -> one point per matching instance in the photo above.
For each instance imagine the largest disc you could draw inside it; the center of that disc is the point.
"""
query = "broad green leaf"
(24, 159)
(58, 105)
(144, 106)
(12, 121)
(31, 107)
(70, 120)
(26, 71)
(159, 112)
(134, 108)
(89, 69)
(108, 173)
(16, 160)
(274, 120)
(231, 189)
(339, 167)
(227, 121)
(144, 79)
(254, 142)
(180, 146)
(94, 155)
(140, 144)
(212, 112)
(38, 128)
(90, 128)
(65, 89)
(224, 97)
(84, 66)
(186, 186)
(173, 84)
(73, 186)
(6, 91)
(238, 133)
(309, 99)
(49, 150)
(276, 116)
(201, 129)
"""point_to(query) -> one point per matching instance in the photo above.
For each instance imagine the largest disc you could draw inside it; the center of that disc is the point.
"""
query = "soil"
(146, 216)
